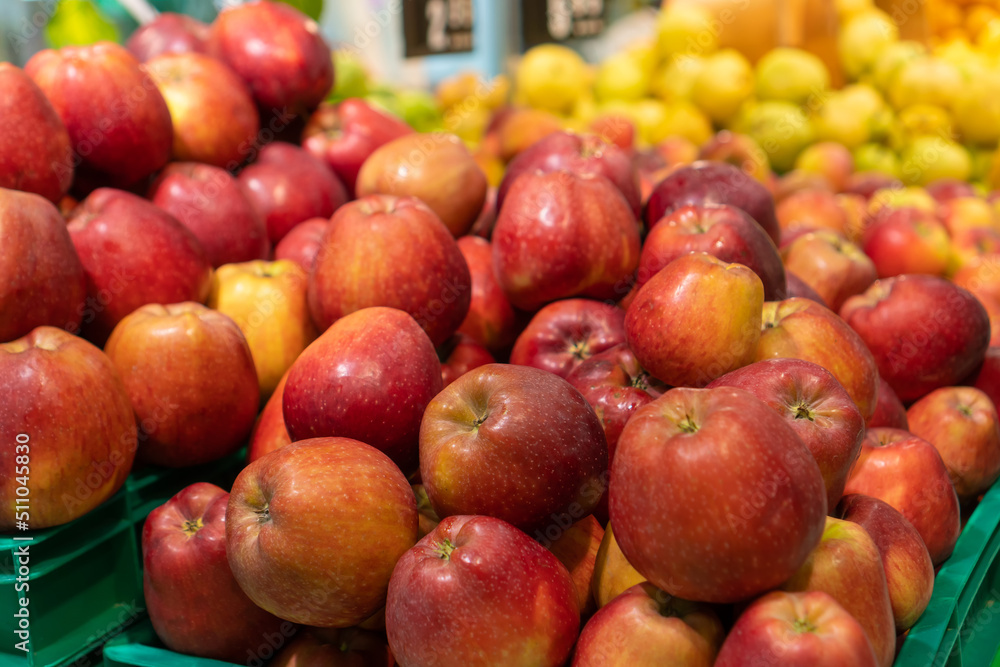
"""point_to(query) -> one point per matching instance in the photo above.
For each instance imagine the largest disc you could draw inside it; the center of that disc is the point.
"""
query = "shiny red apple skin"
(35, 153)
(962, 424)
(269, 431)
(491, 320)
(168, 33)
(278, 51)
(732, 521)
(833, 266)
(908, 569)
(581, 154)
(907, 241)
(987, 377)
(133, 253)
(87, 86)
(717, 183)
(301, 244)
(818, 209)
(213, 205)
(459, 355)
(645, 626)
(309, 560)
(808, 629)
(923, 331)
(889, 410)
(722, 231)
(797, 288)
(519, 607)
(585, 221)
(907, 473)
(815, 405)
(190, 376)
(390, 251)
(41, 277)
(344, 134)
(287, 186)
(513, 442)
(63, 395)
(195, 605)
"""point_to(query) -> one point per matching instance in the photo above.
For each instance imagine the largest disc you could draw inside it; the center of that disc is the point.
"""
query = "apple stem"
(263, 514)
(687, 425)
(803, 625)
(192, 526)
(802, 412)
(444, 549)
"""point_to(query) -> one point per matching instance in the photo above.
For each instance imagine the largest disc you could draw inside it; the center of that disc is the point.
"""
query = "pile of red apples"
(616, 411)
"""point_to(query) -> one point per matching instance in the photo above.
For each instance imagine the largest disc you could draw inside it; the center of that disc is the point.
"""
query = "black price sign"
(437, 26)
(558, 20)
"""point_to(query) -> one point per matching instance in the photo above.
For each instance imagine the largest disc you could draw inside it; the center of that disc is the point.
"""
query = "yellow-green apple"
(739, 150)
(907, 473)
(961, 423)
(815, 405)
(613, 574)
(847, 565)
(833, 266)
(802, 329)
(908, 569)
(309, 560)
(459, 355)
(34, 143)
(190, 376)
(301, 244)
(325, 647)
(287, 186)
(581, 154)
(577, 549)
(722, 231)
(645, 626)
(716, 183)
(269, 431)
(133, 253)
(118, 124)
(908, 240)
(390, 251)
(343, 134)
(435, 168)
(513, 442)
(585, 222)
(194, 602)
(278, 51)
(695, 320)
(829, 159)
(168, 33)
(519, 605)
(214, 206)
(807, 629)
(368, 377)
(737, 498)
(491, 319)
(817, 209)
(68, 431)
(267, 300)
(563, 334)
(889, 410)
(924, 332)
(41, 277)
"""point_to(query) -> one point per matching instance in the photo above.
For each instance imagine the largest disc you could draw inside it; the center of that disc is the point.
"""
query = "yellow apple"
(863, 38)
(683, 28)
(925, 80)
(892, 60)
(552, 77)
(977, 110)
(723, 85)
(791, 75)
(929, 159)
(675, 80)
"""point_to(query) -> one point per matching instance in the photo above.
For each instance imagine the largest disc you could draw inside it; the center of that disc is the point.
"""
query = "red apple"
(818, 209)
(269, 431)
(348, 647)
(133, 253)
(577, 549)
(968, 245)
(908, 240)
(961, 423)
(516, 443)
(41, 278)
(981, 276)
(722, 231)
(645, 626)
(583, 221)
(288, 185)
(923, 331)
(947, 189)
(889, 410)
(987, 377)
(390, 251)
(518, 603)
(829, 159)
(193, 600)
(302, 243)
(368, 377)
(491, 320)
(737, 498)
(118, 123)
(35, 153)
(278, 51)
(615, 129)
(168, 33)
(314, 529)
(908, 569)
(65, 421)
(830, 264)
(797, 288)
(459, 355)
(213, 205)
(344, 134)
(739, 150)
(907, 473)
(808, 629)
(519, 128)
(867, 183)
(695, 320)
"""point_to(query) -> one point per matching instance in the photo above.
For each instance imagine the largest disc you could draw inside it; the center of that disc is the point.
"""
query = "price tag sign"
(437, 26)
(559, 20)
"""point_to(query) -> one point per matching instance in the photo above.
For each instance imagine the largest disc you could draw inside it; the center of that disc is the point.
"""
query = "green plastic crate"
(139, 647)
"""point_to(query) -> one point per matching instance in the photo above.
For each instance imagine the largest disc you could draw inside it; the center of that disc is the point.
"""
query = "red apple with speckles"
(519, 606)
(833, 266)
(301, 244)
(491, 319)
(459, 355)
(738, 500)
(168, 33)
(194, 603)
(889, 410)
(563, 334)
